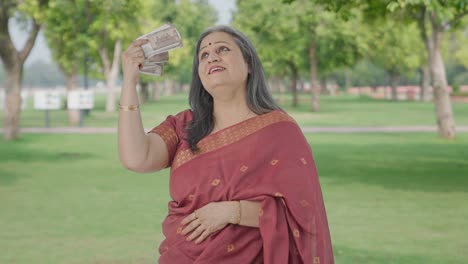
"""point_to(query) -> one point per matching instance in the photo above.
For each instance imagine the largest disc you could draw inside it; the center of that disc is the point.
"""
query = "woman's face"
(221, 67)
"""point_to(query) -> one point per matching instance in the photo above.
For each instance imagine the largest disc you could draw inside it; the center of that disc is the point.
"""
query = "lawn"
(342, 110)
(391, 198)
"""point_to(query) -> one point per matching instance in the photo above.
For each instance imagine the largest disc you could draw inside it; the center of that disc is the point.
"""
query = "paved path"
(364, 129)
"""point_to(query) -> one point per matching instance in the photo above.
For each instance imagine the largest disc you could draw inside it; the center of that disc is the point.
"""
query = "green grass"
(342, 110)
(391, 198)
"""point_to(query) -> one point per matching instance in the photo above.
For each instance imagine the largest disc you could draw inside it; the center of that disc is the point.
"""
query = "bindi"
(209, 43)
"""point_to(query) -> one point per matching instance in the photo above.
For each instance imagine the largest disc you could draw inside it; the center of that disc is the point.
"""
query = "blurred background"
(380, 89)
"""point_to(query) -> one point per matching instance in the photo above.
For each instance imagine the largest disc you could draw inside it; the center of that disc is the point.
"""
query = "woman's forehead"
(216, 37)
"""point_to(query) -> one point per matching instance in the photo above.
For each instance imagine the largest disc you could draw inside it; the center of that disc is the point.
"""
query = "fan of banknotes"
(161, 41)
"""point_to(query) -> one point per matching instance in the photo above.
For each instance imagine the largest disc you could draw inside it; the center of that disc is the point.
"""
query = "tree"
(65, 34)
(441, 16)
(273, 29)
(301, 36)
(395, 48)
(434, 17)
(110, 23)
(33, 12)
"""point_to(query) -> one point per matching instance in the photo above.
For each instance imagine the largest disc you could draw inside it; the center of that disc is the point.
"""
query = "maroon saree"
(265, 159)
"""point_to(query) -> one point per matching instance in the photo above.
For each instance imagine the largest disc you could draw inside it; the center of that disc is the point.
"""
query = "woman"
(243, 181)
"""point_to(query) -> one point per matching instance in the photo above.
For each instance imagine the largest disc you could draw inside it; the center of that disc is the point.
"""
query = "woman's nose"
(213, 57)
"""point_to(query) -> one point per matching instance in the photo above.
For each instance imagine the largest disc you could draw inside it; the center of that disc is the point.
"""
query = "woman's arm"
(216, 215)
(249, 213)
(137, 151)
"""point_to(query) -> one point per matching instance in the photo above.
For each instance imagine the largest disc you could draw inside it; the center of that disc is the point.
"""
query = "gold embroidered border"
(169, 137)
(230, 135)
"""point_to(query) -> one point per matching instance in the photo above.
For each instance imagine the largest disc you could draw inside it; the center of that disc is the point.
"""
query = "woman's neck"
(228, 113)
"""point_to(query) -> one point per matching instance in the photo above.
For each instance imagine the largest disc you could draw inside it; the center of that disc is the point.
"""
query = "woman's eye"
(223, 48)
(204, 55)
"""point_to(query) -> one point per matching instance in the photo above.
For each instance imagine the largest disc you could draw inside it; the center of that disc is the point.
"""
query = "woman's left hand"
(209, 219)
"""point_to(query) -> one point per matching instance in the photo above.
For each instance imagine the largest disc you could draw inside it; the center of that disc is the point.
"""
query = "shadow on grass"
(17, 154)
(431, 166)
(358, 256)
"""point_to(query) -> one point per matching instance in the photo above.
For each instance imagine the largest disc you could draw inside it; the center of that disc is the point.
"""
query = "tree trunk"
(156, 92)
(443, 105)
(347, 79)
(282, 90)
(394, 80)
(168, 87)
(293, 83)
(144, 92)
(111, 72)
(12, 111)
(70, 84)
(425, 82)
(314, 83)
(13, 61)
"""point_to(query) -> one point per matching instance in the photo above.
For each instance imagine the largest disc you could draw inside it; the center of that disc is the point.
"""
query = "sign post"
(80, 100)
(47, 100)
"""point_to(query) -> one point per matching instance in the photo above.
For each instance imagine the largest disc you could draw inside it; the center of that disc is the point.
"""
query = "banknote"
(156, 51)
(161, 39)
(155, 69)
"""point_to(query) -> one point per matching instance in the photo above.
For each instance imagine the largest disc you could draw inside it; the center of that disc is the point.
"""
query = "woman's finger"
(139, 42)
(196, 233)
(203, 236)
(189, 218)
(194, 224)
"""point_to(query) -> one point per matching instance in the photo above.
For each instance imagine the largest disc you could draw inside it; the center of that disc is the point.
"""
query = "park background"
(360, 77)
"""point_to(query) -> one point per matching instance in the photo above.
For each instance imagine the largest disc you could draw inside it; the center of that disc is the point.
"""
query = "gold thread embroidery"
(215, 182)
(230, 247)
(296, 233)
(168, 135)
(179, 230)
(230, 135)
(316, 260)
(191, 197)
(273, 162)
(243, 168)
(304, 161)
(304, 203)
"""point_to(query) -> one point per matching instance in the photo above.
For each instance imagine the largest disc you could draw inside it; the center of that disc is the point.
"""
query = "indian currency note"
(162, 39)
(155, 69)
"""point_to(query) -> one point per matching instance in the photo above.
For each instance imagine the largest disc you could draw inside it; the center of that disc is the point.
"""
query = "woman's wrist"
(236, 213)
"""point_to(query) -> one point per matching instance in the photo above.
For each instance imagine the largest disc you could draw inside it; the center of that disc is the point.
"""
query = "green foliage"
(76, 26)
(66, 36)
(396, 47)
(283, 33)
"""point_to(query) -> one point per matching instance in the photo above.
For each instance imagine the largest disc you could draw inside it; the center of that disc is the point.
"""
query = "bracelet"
(239, 214)
(129, 107)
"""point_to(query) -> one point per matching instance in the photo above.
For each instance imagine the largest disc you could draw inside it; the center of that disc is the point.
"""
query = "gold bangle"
(239, 214)
(129, 107)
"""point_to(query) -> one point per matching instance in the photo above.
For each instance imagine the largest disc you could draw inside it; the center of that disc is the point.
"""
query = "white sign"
(47, 100)
(80, 99)
(24, 100)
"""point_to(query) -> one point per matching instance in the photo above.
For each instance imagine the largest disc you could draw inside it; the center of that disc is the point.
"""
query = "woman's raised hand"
(132, 60)
(209, 219)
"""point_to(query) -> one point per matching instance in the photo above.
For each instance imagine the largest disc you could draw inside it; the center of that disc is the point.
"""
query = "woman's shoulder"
(184, 116)
(279, 118)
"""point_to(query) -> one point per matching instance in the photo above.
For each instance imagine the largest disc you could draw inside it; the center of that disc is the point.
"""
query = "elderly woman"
(243, 181)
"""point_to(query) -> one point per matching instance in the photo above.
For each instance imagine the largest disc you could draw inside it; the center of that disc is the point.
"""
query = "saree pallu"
(265, 159)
